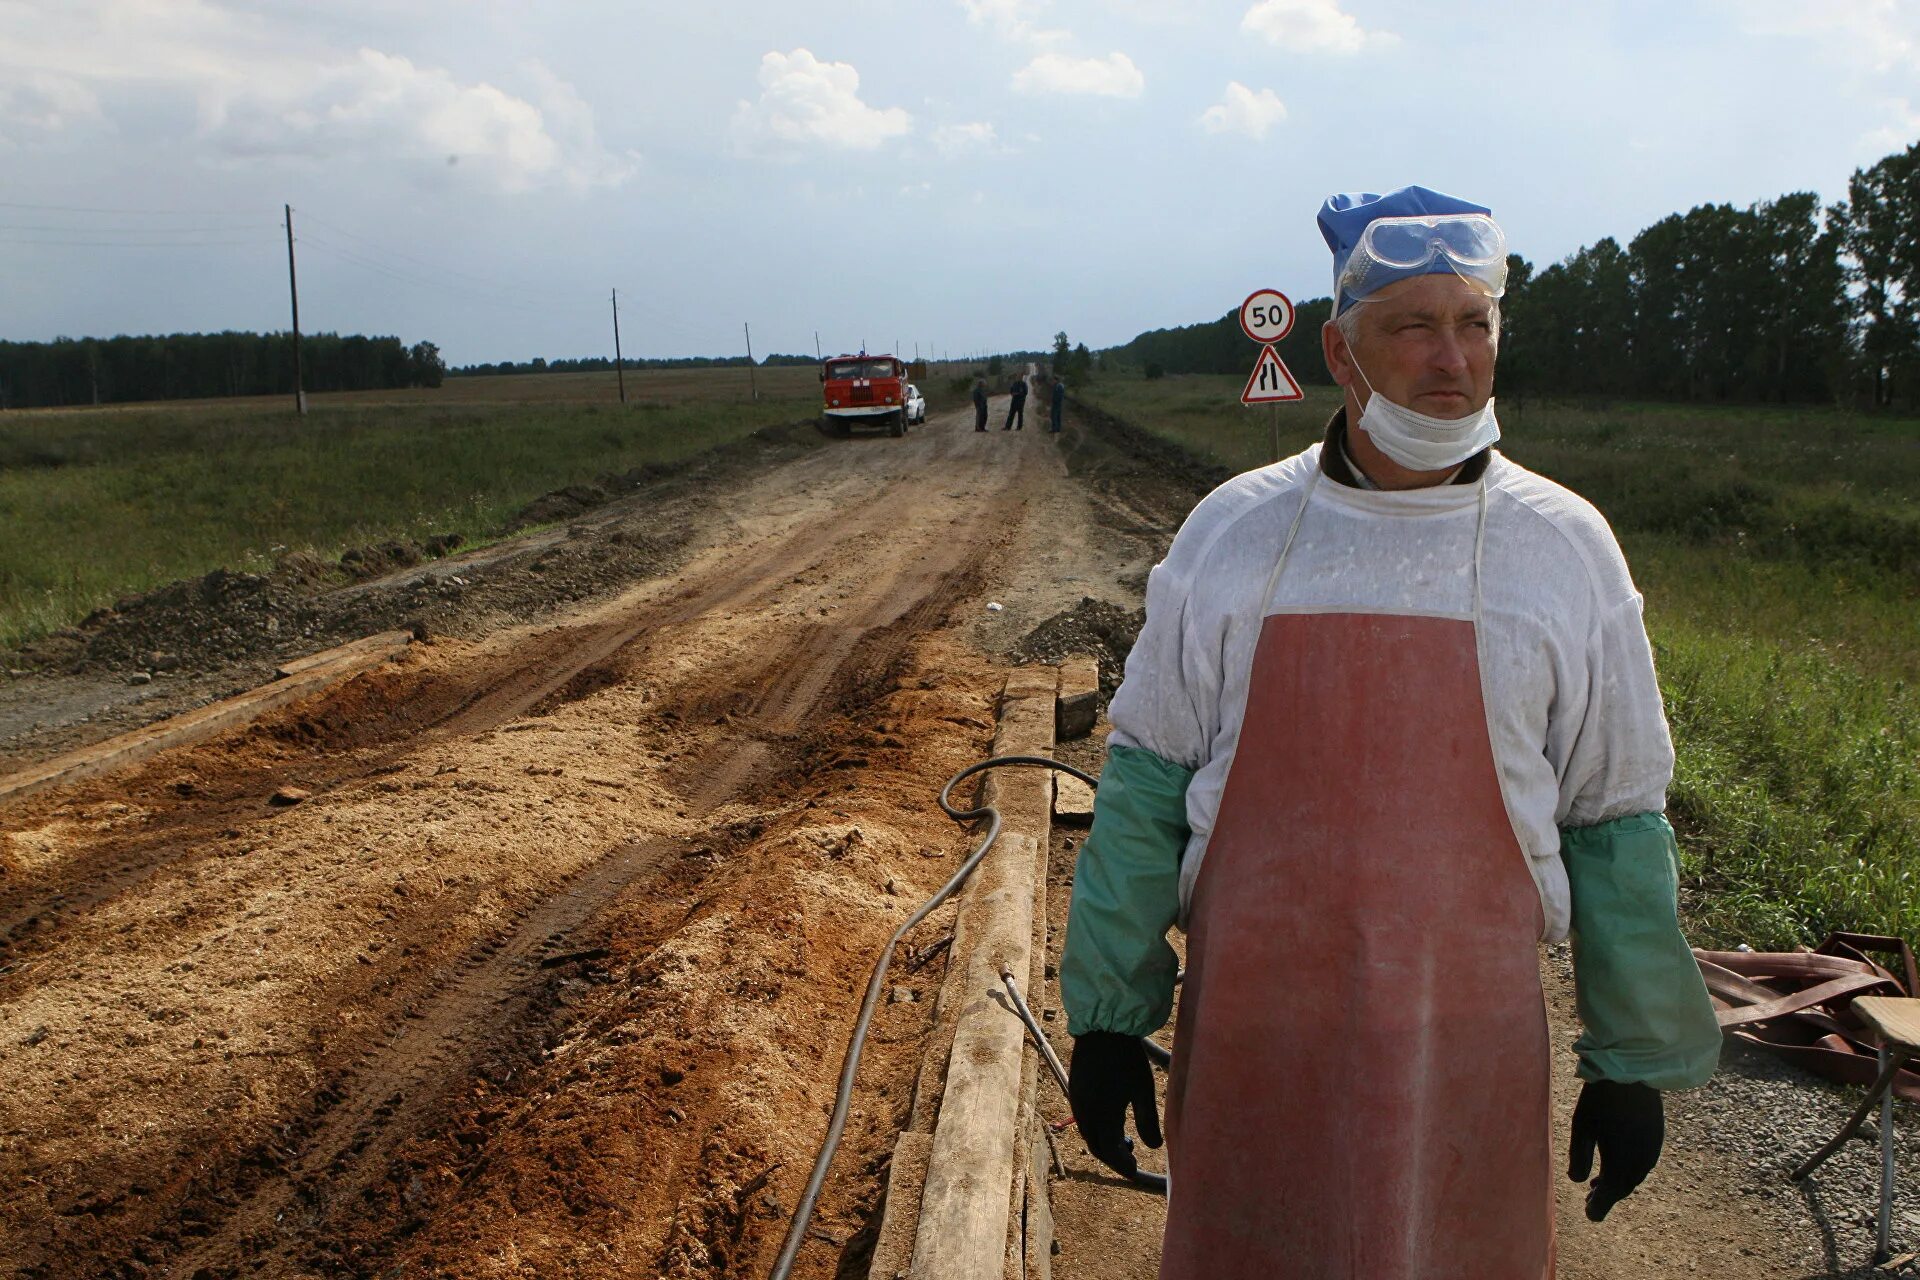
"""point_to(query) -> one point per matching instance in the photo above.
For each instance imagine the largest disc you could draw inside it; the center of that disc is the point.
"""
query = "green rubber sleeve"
(1117, 969)
(1642, 1002)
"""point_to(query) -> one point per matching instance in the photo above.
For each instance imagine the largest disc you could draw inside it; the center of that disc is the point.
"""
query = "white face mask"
(1422, 443)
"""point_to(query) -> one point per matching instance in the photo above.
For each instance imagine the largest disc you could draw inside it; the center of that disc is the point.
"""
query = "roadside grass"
(96, 505)
(1779, 551)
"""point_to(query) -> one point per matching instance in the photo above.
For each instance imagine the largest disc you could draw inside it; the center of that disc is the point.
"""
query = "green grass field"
(1779, 551)
(101, 502)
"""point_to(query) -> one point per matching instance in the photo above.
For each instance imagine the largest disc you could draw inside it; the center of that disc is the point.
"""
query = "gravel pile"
(1095, 627)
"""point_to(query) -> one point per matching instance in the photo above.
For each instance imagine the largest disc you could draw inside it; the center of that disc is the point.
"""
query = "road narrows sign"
(1271, 383)
(1266, 315)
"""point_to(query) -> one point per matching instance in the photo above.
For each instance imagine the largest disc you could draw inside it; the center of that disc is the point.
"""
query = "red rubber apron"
(1360, 1085)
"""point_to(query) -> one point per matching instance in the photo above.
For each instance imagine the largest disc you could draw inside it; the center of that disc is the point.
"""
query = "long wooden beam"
(974, 1167)
(305, 676)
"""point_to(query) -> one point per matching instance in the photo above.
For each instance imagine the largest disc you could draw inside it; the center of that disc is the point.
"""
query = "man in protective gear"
(1391, 721)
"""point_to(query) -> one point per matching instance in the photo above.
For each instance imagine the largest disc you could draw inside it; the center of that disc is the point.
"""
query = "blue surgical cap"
(1344, 216)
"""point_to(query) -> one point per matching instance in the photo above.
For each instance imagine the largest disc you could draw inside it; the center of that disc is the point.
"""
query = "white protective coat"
(1575, 719)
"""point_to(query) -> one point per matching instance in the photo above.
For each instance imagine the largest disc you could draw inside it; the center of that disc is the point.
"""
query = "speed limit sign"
(1266, 315)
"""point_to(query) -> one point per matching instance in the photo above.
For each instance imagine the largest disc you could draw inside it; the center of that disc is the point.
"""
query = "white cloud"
(39, 105)
(1902, 128)
(1113, 76)
(804, 101)
(1012, 20)
(264, 94)
(1311, 26)
(1241, 110)
(1882, 33)
(952, 139)
(384, 104)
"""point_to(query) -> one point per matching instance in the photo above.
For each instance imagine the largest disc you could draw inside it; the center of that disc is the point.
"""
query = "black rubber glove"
(1628, 1123)
(1110, 1073)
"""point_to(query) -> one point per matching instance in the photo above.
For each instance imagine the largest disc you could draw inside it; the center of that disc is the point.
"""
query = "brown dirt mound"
(1095, 627)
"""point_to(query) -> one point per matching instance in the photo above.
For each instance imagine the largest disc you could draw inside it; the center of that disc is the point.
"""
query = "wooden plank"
(966, 1207)
(382, 643)
(900, 1215)
(1029, 1249)
(192, 726)
(932, 1076)
(1037, 1264)
(1896, 1018)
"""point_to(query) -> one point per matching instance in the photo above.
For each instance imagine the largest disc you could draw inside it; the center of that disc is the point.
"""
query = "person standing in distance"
(979, 404)
(1392, 721)
(1016, 408)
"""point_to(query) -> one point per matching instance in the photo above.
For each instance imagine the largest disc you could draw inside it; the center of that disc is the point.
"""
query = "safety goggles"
(1393, 249)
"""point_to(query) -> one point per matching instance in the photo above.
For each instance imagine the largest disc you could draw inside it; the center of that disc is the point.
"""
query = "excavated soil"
(548, 969)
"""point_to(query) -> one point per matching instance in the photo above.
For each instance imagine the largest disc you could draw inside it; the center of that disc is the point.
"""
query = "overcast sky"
(964, 174)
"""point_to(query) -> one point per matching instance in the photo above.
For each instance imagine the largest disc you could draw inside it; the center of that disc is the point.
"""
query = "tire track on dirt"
(537, 671)
(391, 1090)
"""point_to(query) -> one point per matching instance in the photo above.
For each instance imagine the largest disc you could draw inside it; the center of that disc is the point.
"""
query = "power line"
(107, 231)
(149, 213)
(465, 292)
(376, 250)
(134, 244)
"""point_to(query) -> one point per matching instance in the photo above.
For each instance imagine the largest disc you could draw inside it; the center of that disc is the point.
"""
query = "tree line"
(1785, 300)
(191, 366)
(1219, 346)
(605, 364)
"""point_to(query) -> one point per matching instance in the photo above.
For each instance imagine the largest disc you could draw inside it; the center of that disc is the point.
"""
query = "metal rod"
(1881, 1251)
(1139, 1177)
(1039, 1036)
(1883, 1083)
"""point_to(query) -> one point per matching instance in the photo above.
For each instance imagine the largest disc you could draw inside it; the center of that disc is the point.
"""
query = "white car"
(916, 404)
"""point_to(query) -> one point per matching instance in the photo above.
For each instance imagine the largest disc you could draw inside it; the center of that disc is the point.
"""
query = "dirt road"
(551, 971)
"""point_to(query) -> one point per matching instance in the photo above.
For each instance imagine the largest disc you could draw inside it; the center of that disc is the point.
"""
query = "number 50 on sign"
(1266, 315)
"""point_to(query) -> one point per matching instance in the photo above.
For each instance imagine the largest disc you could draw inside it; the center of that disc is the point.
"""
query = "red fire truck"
(865, 391)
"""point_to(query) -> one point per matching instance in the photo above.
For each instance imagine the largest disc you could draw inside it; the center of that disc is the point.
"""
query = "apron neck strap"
(1293, 530)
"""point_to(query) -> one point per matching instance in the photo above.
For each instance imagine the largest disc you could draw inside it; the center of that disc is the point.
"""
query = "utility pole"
(816, 345)
(293, 290)
(753, 385)
(619, 365)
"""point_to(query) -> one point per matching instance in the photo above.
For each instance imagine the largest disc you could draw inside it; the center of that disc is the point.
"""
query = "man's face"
(1427, 343)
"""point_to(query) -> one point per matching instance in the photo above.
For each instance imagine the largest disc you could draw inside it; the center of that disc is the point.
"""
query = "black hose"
(843, 1100)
